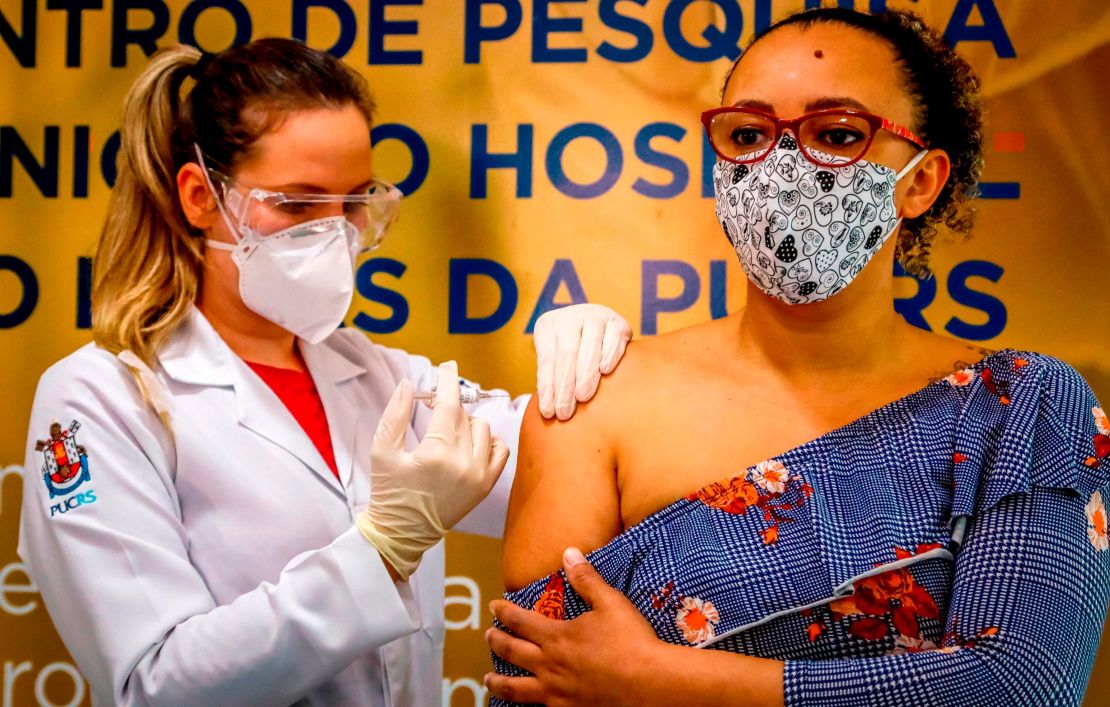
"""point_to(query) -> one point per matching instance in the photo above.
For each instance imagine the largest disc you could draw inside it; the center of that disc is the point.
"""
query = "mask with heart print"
(803, 232)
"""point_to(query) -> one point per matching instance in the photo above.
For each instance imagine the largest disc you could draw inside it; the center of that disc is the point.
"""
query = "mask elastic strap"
(912, 163)
(219, 245)
(901, 173)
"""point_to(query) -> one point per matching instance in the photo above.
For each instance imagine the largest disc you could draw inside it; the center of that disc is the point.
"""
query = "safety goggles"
(265, 212)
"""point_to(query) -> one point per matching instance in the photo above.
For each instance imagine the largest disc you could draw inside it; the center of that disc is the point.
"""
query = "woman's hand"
(575, 346)
(417, 496)
(603, 657)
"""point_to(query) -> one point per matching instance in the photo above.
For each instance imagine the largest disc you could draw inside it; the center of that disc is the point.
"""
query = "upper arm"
(564, 495)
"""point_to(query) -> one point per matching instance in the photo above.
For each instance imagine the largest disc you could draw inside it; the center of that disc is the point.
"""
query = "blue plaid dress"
(951, 546)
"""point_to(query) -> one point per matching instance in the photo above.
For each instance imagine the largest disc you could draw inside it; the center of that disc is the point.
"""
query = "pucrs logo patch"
(66, 467)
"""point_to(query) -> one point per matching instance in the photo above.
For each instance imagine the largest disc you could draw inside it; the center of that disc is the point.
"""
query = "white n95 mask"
(300, 277)
(804, 232)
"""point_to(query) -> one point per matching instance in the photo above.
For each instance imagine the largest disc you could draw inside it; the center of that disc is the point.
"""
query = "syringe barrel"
(467, 396)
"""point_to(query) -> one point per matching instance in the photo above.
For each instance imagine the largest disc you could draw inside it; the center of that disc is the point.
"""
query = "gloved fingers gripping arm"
(568, 343)
(587, 374)
(575, 346)
(545, 341)
(417, 496)
(618, 333)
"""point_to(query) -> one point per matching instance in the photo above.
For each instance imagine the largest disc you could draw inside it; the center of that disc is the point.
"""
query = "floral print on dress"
(1096, 522)
(770, 475)
(1101, 439)
(696, 619)
(965, 376)
(996, 388)
(816, 627)
(1102, 423)
(892, 598)
(949, 644)
(552, 603)
(763, 488)
(952, 641)
(911, 644)
(733, 496)
(960, 378)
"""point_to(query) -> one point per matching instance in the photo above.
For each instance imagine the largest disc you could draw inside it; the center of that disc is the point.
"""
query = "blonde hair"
(146, 273)
(149, 261)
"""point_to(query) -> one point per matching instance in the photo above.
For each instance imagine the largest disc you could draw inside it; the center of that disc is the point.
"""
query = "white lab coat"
(219, 565)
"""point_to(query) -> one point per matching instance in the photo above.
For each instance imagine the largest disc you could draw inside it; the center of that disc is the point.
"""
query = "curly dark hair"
(947, 115)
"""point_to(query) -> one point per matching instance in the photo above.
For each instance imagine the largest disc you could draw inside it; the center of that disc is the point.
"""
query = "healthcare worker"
(228, 499)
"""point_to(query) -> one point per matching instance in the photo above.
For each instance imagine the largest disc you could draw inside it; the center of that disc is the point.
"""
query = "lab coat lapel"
(197, 355)
(261, 411)
(333, 372)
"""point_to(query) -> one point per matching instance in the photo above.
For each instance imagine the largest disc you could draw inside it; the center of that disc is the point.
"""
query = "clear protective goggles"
(266, 212)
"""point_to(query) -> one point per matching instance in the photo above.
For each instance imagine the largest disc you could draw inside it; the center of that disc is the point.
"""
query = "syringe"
(467, 396)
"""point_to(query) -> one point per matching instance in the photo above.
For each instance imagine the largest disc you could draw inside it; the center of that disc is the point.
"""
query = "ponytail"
(148, 264)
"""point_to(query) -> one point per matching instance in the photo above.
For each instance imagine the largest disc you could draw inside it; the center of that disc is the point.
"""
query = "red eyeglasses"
(830, 138)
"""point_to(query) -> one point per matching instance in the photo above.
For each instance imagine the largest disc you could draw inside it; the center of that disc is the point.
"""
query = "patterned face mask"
(804, 232)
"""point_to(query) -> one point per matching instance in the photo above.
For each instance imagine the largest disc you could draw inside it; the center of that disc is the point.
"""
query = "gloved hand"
(575, 346)
(415, 497)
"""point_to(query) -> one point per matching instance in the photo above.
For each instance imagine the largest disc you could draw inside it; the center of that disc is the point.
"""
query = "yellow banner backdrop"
(551, 153)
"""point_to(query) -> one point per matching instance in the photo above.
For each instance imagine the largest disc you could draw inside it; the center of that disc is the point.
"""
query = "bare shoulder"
(660, 358)
(565, 493)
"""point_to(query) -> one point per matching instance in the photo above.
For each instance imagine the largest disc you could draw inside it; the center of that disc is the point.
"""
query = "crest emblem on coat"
(66, 464)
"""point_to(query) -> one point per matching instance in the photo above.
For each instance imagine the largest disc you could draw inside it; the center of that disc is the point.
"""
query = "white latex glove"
(415, 497)
(575, 346)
